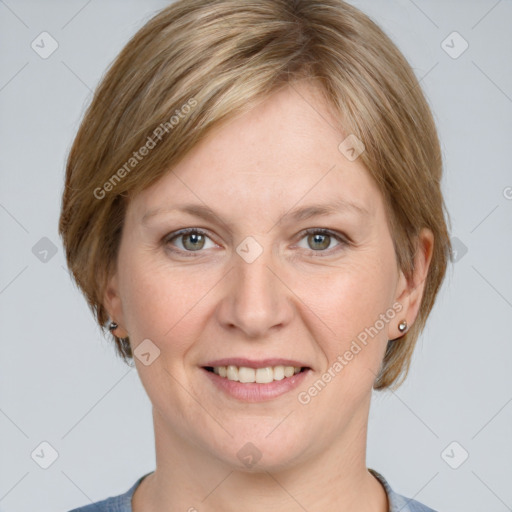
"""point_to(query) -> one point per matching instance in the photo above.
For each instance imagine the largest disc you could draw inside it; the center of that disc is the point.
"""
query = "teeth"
(246, 374)
(289, 371)
(278, 372)
(259, 375)
(232, 373)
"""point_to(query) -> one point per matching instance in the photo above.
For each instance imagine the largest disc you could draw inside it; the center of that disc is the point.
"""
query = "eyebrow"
(295, 214)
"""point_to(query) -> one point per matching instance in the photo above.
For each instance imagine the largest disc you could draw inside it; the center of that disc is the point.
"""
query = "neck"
(190, 478)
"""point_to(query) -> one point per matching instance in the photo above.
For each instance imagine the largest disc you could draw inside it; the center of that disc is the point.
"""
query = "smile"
(248, 375)
(246, 384)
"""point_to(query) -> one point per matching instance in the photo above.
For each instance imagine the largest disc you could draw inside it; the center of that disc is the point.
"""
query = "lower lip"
(255, 392)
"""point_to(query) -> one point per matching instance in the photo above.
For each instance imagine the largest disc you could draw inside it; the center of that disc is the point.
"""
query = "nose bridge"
(256, 300)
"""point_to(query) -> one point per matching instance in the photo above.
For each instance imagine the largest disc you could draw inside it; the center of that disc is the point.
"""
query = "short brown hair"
(212, 59)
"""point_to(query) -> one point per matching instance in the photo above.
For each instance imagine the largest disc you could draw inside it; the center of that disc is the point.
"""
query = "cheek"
(161, 302)
(358, 310)
(356, 296)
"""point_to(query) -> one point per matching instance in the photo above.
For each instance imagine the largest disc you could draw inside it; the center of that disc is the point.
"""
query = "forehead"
(284, 151)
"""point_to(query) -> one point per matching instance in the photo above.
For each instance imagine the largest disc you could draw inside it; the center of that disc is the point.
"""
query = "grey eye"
(319, 241)
(193, 241)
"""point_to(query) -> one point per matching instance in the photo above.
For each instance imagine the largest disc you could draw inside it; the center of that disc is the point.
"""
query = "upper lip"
(251, 363)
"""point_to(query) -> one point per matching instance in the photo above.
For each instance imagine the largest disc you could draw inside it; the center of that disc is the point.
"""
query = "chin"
(279, 451)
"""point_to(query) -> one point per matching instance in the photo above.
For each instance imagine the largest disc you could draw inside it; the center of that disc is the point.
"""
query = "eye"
(192, 240)
(189, 240)
(319, 240)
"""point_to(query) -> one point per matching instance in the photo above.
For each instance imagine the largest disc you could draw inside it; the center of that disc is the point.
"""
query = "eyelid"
(340, 237)
(184, 231)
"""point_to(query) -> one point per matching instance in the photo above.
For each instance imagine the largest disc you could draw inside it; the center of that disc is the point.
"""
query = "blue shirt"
(123, 502)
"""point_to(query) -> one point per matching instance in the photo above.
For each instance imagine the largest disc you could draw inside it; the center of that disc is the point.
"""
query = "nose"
(255, 300)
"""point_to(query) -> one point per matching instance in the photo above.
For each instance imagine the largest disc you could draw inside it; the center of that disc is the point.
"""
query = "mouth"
(261, 375)
(256, 381)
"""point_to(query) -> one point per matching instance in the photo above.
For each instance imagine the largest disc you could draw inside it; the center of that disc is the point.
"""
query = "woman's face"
(249, 287)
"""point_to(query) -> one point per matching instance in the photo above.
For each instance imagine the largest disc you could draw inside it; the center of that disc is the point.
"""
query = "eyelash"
(343, 241)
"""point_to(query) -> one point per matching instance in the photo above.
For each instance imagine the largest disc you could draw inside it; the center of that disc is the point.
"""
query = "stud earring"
(402, 326)
(113, 326)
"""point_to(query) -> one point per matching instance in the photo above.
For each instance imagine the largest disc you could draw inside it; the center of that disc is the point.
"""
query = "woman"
(253, 209)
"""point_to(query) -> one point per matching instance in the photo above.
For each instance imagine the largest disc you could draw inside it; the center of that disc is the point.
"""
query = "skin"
(300, 299)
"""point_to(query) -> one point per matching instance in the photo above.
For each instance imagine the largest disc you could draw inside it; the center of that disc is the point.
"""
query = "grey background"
(60, 381)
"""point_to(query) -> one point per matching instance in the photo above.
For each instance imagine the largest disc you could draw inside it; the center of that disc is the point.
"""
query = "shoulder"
(120, 503)
(112, 504)
(397, 502)
(409, 505)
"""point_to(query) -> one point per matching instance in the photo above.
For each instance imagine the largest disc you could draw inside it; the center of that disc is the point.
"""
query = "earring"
(402, 326)
(113, 326)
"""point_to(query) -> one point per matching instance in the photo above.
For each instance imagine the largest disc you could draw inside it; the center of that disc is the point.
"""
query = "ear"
(410, 291)
(114, 306)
